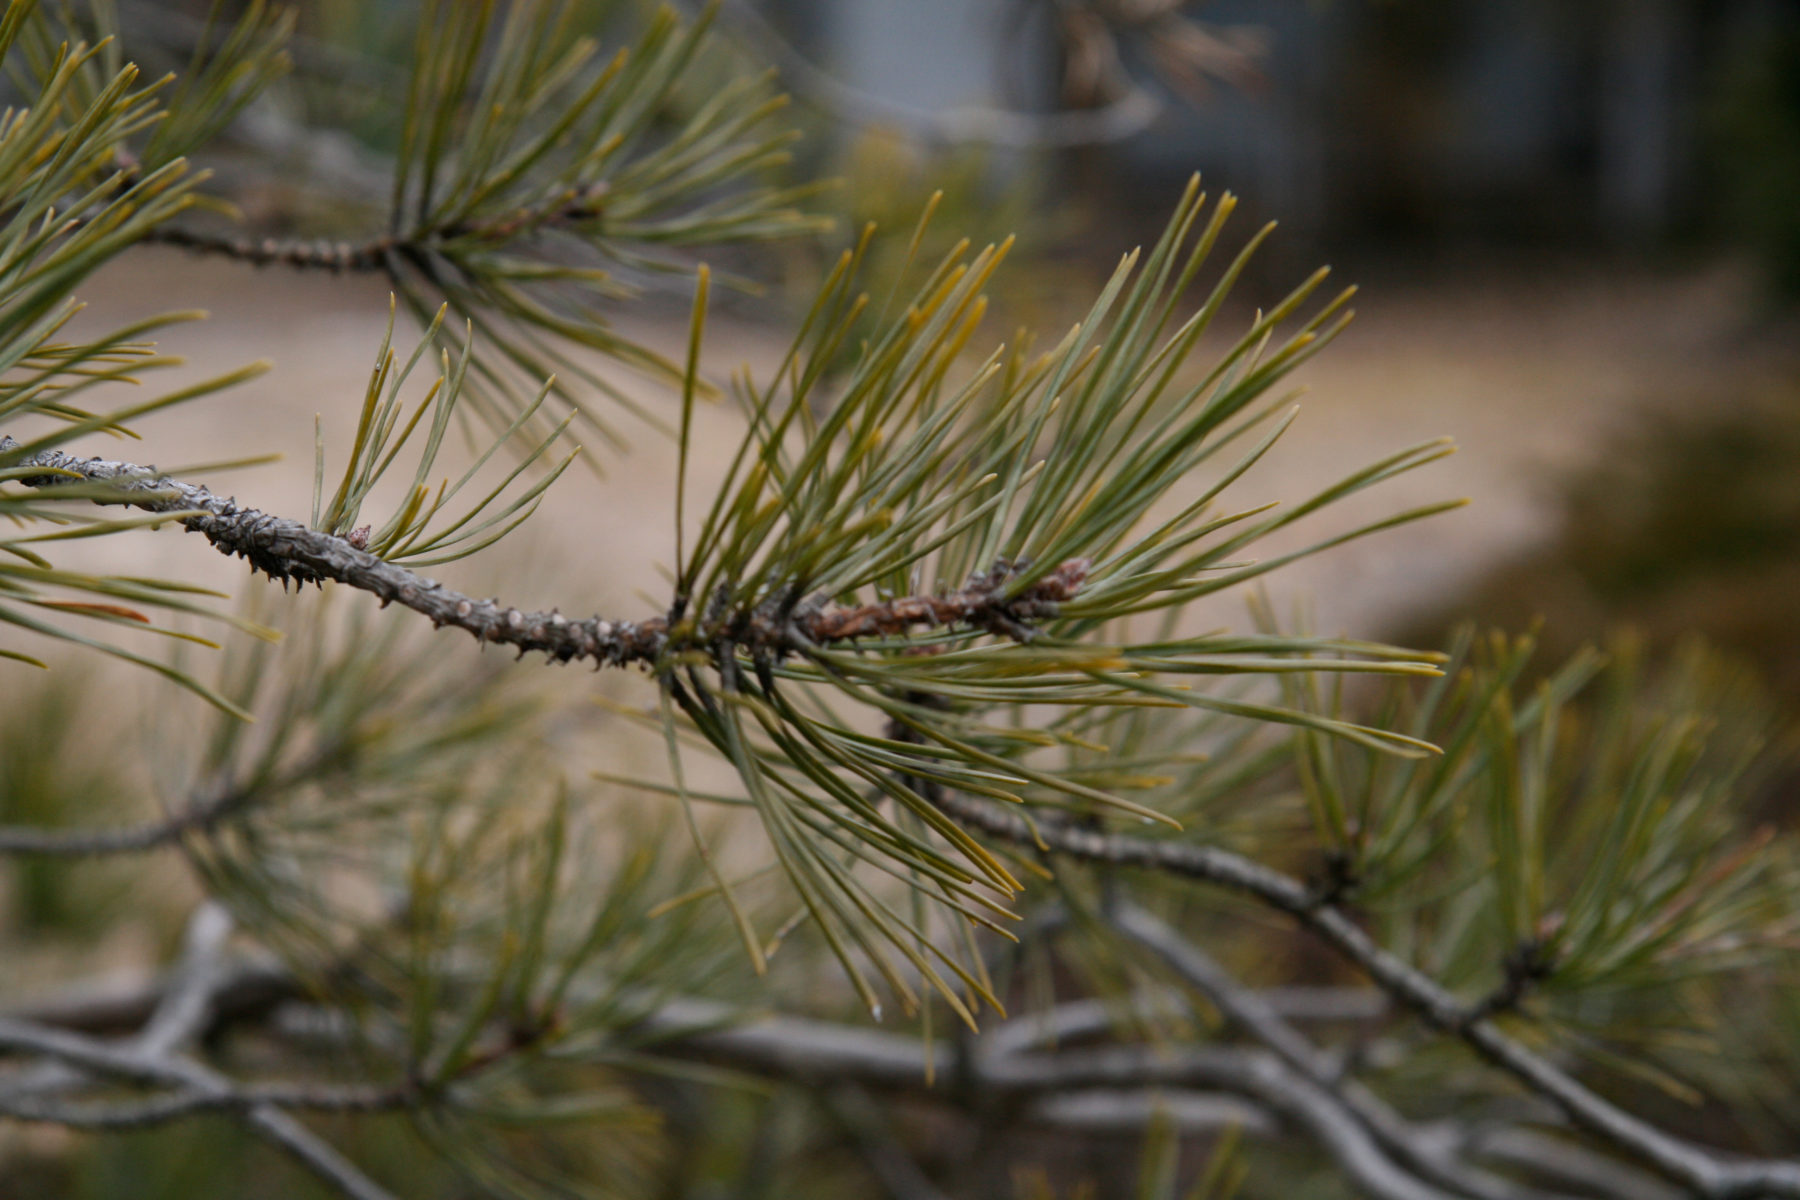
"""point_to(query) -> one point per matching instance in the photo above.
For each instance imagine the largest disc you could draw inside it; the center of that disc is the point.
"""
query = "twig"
(246, 987)
(314, 254)
(1079, 1019)
(132, 839)
(197, 1087)
(202, 814)
(569, 206)
(1542, 1152)
(178, 1105)
(1100, 1111)
(1707, 1172)
(315, 1153)
(286, 550)
(1251, 1013)
(182, 1014)
(186, 1007)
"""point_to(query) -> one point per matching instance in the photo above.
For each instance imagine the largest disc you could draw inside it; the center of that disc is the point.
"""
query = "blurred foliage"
(402, 812)
(46, 783)
(883, 178)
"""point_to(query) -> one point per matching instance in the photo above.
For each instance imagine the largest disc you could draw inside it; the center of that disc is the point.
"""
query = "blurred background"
(1576, 224)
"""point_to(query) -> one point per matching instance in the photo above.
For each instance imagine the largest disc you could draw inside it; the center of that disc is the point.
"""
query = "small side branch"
(131, 839)
(566, 208)
(153, 1058)
(192, 1088)
(1255, 1016)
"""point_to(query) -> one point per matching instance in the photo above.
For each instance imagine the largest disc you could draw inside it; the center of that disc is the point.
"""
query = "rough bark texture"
(286, 549)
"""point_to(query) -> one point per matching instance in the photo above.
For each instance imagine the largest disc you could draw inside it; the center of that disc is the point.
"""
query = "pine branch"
(1256, 1016)
(133, 839)
(1707, 1172)
(285, 549)
(1121, 1089)
(153, 1058)
(168, 1107)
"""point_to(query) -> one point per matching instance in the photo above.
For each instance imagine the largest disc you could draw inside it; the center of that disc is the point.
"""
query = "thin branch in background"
(153, 1058)
(1707, 1172)
(1247, 1010)
(1112, 1089)
(315, 1153)
(133, 839)
(1098, 1110)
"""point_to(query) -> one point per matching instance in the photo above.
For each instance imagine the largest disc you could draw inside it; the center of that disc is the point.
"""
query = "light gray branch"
(121, 1002)
(164, 1107)
(1706, 1172)
(1250, 1012)
(186, 1007)
(1099, 1110)
(152, 1058)
(1549, 1154)
(821, 1053)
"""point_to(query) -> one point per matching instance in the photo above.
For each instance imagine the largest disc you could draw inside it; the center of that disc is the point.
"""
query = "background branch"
(1706, 1172)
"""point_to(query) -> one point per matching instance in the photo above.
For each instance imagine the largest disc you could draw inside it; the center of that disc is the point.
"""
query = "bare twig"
(177, 1105)
(563, 209)
(152, 1058)
(186, 1007)
(1255, 1016)
(214, 802)
(1557, 1156)
(1078, 1019)
(130, 839)
(1707, 1172)
(315, 1153)
(247, 987)
(1100, 1111)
